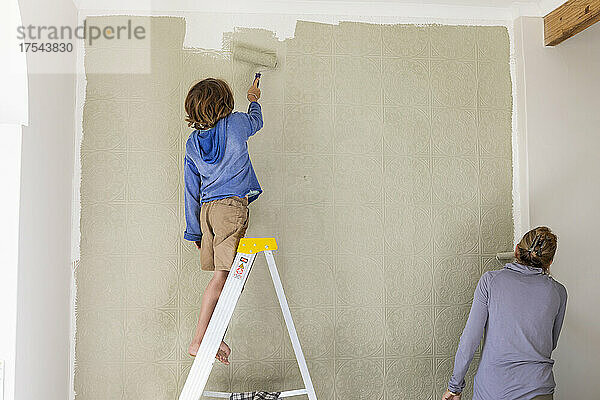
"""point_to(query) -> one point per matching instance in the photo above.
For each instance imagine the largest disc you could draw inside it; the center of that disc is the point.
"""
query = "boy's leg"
(227, 221)
(214, 287)
(209, 301)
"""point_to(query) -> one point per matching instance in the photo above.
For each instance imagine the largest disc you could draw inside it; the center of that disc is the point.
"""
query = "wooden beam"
(570, 19)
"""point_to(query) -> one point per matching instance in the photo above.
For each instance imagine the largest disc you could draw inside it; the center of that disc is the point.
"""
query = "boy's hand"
(254, 91)
(198, 242)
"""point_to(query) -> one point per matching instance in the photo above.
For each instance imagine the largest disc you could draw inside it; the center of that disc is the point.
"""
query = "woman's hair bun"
(537, 248)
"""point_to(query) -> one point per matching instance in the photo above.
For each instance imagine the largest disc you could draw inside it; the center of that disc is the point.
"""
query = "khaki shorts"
(223, 223)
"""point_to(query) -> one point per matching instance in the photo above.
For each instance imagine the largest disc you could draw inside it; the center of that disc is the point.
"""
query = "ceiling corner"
(547, 6)
(525, 9)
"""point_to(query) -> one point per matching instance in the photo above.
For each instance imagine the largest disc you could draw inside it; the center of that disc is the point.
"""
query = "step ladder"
(242, 264)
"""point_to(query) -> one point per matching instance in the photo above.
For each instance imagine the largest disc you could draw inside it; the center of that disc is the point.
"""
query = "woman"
(521, 309)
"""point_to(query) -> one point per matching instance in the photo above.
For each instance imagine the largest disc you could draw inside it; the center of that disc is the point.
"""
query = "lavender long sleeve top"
(522, 311)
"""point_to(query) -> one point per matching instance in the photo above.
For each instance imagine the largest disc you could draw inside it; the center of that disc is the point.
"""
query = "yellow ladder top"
(256, 245)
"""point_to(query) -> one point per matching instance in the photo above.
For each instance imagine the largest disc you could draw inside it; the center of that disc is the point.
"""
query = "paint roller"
(506, 257)
(262, 59)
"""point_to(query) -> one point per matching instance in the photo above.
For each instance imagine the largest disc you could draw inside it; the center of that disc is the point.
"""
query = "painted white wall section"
(10, 165)
(43, 325)
(44, 276)
(520, 171)
(13, 69)
(13, 114)
(560, 86)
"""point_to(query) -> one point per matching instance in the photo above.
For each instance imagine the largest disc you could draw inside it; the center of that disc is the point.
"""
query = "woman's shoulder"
(490, 275)
(485, 282)
(560, 288)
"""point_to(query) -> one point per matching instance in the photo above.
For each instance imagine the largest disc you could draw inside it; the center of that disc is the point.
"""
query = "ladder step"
(225, 395)
(291, 393)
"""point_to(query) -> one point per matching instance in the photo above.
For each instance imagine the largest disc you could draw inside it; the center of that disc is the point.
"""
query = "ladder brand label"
(239, 271)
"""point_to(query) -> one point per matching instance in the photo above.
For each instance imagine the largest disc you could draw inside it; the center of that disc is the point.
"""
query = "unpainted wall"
(562, 137)
(385, 161)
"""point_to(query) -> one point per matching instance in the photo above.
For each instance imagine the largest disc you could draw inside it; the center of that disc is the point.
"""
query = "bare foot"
(223, 353)
(193, 349)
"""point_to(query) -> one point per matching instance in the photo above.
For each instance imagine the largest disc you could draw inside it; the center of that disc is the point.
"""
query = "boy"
(219, 184)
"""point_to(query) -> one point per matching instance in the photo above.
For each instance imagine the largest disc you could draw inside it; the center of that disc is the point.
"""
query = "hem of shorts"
(215, 268)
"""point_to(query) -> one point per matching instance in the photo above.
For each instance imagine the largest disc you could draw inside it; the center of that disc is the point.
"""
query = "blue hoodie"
(217, 165)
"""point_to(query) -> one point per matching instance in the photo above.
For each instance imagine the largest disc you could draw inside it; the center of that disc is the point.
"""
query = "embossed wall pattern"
(385, 161)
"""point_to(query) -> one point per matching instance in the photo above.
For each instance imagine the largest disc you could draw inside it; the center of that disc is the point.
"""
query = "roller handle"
(256, 79)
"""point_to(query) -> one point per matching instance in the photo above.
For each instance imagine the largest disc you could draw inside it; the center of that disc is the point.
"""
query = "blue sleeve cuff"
(456, 388)
(191, 237)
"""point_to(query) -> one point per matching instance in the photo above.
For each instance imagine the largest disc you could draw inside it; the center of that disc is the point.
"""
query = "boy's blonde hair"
(207, 102)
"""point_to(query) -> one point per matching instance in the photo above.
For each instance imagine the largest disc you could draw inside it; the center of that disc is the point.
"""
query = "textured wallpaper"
(385, 161)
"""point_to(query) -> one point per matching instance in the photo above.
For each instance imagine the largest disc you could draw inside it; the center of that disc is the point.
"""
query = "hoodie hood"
(211, 142)
(524, 269)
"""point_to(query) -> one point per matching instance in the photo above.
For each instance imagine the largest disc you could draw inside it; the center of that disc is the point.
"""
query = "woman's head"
(537, 248)
(207, 102)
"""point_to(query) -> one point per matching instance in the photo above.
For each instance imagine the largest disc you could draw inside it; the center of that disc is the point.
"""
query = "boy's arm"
(192, 201)
(254, 114)
(254, 118)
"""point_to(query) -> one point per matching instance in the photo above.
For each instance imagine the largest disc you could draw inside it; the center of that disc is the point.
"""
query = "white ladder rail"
(205, 358)
(226, 395)
(193, 388)
(287, 316)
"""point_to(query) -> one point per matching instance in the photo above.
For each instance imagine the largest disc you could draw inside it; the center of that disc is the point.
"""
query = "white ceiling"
(471, 3)
(469, 9)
